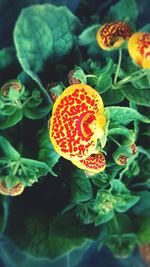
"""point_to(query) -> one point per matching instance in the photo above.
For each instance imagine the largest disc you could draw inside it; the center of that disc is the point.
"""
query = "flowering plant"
(74, 128)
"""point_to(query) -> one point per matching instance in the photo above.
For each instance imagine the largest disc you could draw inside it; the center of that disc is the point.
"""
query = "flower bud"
(113, 34)
(139, 49)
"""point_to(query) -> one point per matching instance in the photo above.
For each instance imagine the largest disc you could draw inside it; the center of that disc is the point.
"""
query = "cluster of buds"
(113, 35)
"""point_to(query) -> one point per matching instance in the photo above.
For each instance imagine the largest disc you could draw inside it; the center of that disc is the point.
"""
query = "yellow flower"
(139, 48)
(77, 122)
(14, 191)
(95, 163)
(112, 35)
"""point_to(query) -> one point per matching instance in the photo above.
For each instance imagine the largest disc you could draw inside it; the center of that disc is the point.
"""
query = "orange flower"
(14, 191)
(113, 35)
(95, 163)
(139, 48)
(77, 122)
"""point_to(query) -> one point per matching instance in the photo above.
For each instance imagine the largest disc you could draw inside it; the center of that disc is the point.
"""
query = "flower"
(15, 84)
(113, 34)
(54, 89)
(72, 79)
(14, 191)
(77, 122)
(139, 48)
(95, 163)
(123, 159)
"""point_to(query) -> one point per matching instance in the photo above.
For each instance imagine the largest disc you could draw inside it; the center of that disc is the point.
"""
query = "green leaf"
(52, 29)
(41, 168)
(143, 206)
(13, 94)
(9, 121)
(139, 97)
(10, 180)
(81, 189)
(88, 36)
(120, 237)
(112, 97)
(121, 11)
(118, 187)
(37, 112)
(123, 150)
(103, 83)
(79, 74)
(142, 228)
(46, 151)
(40, 230)
(8, 150)
(104, 217)
(125, 202)
(7, 57)
(125, 115)
(104, 207)
(122, 131)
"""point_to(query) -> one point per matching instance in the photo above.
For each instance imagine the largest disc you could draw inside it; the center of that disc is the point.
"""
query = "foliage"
(64, 207)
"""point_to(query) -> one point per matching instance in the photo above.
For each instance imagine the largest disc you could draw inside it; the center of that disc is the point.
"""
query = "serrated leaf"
(39, 230)
(122, 131)
(112, 97)
(9, 121)
(139, 97)
(46, 151)
(88, 36)
(124, 115)
(81, 189)
(36, 113)
(121, 11)
(8, 150)
(103, 83)
(79, 74)
(52, 29)
(125, 202)
(104, 217)
(117, 187)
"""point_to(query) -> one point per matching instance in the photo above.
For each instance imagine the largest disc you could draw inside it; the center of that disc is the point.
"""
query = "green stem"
(115, 141)
(91, 76)
(118, 66)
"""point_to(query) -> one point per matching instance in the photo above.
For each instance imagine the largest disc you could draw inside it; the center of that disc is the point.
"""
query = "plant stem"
(115, 141)
(91, 76)
(118, 66)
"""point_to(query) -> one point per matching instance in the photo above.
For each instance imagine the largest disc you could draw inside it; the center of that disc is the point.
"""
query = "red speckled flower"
(122, 160)
(95, 163)
(134, 148)
(14, 191)
(112, 35)
(77, 122)
(139, 48)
